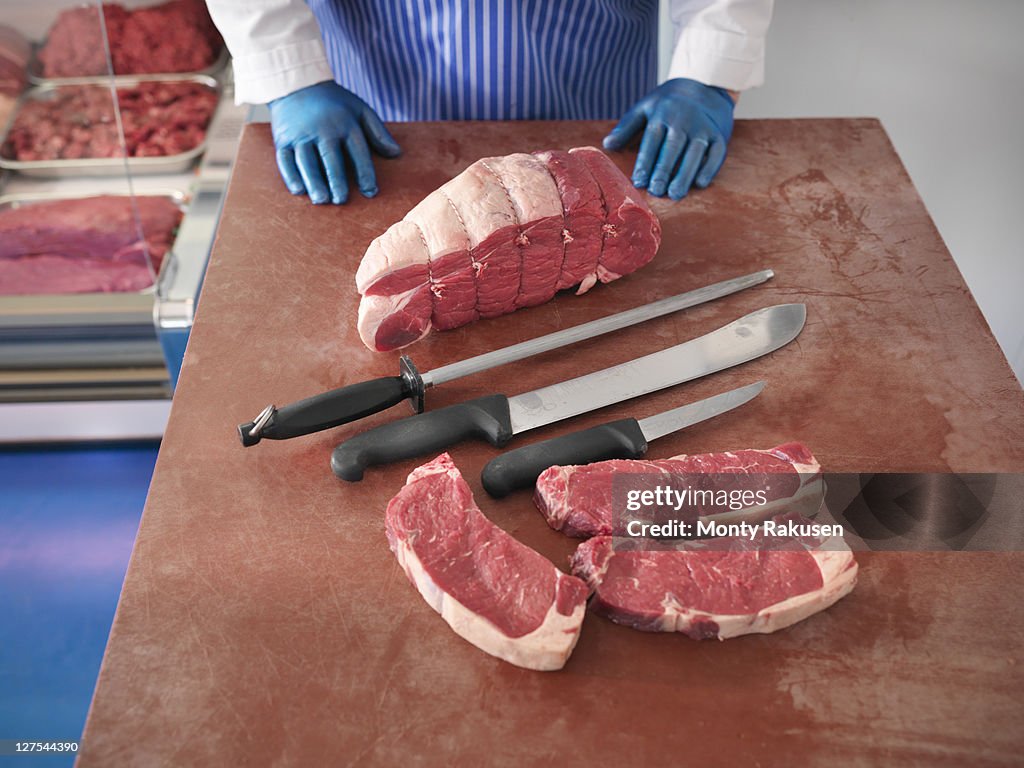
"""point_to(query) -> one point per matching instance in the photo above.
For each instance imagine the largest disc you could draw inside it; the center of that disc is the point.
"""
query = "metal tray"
(107, 166)
(35, 75)
(79, 305)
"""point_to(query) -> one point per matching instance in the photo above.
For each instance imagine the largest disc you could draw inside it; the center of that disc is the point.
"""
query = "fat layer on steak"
(500, 595)
(506, 233)
(580, 500)
(721, 587)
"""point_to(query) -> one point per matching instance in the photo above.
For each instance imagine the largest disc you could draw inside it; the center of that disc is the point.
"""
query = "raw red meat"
(506, 233)
(176, 36)
(84, 245)
(159, 119)
(578, 500)
(14, 54)
(57, 274)
(493, 591)
(716, 588)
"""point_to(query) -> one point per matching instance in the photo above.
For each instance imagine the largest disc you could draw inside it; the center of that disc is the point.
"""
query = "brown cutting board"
(264, 621)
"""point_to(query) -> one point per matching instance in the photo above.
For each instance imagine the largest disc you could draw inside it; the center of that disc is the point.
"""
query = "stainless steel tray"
(35, 75)
(74, 307)
(106, 166)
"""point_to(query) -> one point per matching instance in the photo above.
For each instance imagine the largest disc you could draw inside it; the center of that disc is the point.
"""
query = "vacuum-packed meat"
(506, 233)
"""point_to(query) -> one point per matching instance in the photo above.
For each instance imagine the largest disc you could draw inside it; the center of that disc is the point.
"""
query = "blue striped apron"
(492, 59)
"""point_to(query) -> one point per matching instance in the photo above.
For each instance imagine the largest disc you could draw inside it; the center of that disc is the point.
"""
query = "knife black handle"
(328, 409)
(486, 418)
(339, 406)
(520, 468)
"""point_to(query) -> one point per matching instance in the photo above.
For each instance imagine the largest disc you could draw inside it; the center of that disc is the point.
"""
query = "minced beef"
(177, 36)
(77, 121)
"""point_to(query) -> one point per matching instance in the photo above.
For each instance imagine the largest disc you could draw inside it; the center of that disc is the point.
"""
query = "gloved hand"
(685, 120)
(310, 127)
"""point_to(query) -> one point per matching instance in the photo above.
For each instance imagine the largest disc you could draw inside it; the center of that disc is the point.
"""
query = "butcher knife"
(357, 401)
(623, 439)
(497, 418)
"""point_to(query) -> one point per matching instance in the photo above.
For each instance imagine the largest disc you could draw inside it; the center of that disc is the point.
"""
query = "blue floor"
(68, 518)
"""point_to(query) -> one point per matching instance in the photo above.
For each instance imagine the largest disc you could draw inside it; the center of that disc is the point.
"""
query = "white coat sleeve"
(275, 46)
(720, 42)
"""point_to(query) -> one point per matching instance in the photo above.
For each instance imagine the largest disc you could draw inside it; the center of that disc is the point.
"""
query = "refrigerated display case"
(80, 360)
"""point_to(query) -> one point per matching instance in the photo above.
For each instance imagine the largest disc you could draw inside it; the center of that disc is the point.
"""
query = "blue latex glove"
(688, 127)
(311, 126)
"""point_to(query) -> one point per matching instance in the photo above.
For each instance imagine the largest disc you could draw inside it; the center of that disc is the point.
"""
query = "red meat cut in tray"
(14, 55)
(84, 245)
(78, 121)
(506, 233)
(177, 36)
(717, 588)
(497, 593)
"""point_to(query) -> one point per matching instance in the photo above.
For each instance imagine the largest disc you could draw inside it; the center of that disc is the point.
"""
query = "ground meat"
(85, 245)
(177, 36)
(78, 122)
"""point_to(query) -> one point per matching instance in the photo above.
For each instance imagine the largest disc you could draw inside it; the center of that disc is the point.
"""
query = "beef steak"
(578, 500)
(500, 595)
(719, 587)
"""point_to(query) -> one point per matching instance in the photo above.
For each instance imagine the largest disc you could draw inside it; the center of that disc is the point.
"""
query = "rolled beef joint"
(506, 233)
(717, 588)
(500, 595)
(580, 500)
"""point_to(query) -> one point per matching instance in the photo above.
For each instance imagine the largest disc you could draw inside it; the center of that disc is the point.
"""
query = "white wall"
(946, 77)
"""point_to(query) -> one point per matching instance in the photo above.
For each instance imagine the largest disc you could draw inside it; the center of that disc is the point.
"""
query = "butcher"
(332, 71)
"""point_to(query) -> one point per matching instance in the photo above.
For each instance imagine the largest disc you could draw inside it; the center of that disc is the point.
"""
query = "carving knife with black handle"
(357, 401)
(496, 418)
(622, 439)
